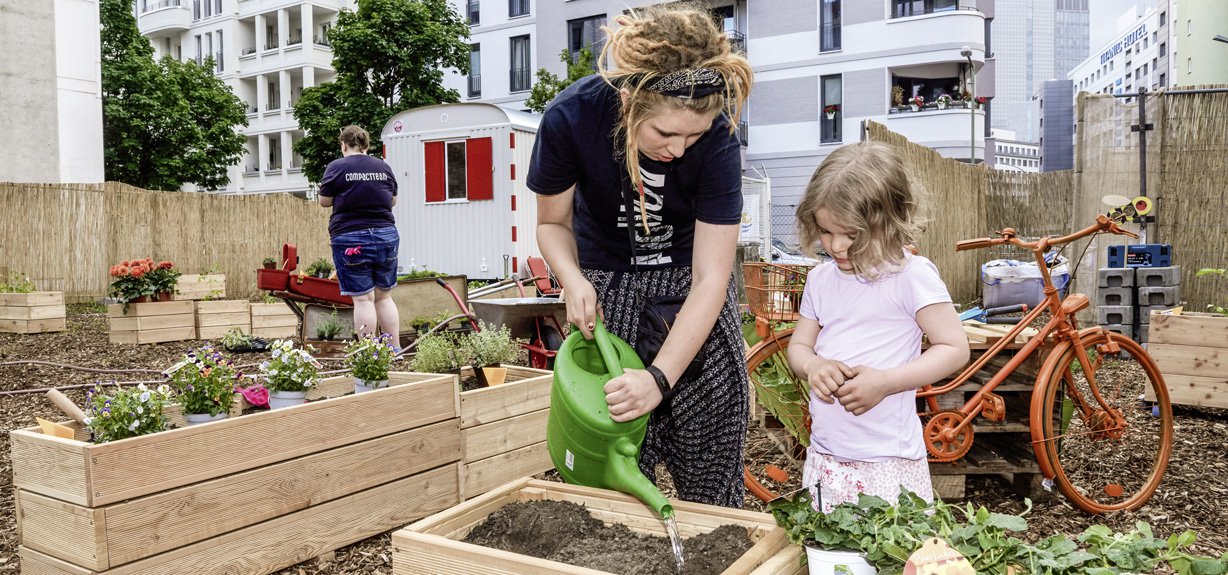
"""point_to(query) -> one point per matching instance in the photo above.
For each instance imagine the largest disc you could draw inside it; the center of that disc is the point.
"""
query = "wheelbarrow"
(536, 319)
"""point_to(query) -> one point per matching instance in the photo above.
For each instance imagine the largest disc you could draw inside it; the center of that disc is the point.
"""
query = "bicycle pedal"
(993, 408)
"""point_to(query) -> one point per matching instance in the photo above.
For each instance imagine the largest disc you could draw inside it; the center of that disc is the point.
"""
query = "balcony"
(946, 131)
(250, 170)
(294, 41)
(274, 166)
(322, 41)
(916, 33)
(271, 43)
(164, 16)
(737, 40)
(247, 52)
(907, 8)
(475, 85)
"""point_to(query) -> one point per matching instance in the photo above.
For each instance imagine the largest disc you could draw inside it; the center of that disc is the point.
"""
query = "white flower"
(164, 390)
(144, 397)
(132, 426)
(273, 372)
(140, 410)
(87, 420)
(141, 386)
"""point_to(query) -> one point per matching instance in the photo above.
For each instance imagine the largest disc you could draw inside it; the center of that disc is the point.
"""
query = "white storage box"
(1012, 282)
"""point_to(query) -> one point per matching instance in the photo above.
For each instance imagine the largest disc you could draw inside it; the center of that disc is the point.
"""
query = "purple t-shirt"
(362, 188)
(872, 324)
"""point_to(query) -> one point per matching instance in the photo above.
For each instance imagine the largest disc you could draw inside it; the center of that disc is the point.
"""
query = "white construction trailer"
(462, 206)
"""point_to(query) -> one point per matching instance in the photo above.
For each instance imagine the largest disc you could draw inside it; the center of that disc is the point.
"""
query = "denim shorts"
(366, 259)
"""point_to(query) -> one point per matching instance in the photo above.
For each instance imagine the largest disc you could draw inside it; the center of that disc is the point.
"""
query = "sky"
(1103, 15)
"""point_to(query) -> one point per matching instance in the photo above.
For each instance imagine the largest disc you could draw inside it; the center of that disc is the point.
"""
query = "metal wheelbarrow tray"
(518, 313)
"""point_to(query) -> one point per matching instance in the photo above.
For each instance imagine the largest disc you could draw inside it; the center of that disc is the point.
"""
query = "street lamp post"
(967, 53)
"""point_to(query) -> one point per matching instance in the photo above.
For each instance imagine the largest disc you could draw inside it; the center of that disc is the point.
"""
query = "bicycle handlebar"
(1103, 224)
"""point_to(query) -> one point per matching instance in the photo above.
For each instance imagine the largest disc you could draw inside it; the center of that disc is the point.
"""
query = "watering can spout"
(624, 475)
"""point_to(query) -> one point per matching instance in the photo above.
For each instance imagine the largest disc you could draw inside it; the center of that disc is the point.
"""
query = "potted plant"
(916, 103)
(236, 340)
(897, 95)
(289, 374)
(204, 382)
(943, 101)
(369, 358)
(130, 284)
(163, 278)
(981, 101)
(830, 110)
(269, 263)
(489, 347)
(320, 268)
(439, 353)
(966, 96)
(125, 413)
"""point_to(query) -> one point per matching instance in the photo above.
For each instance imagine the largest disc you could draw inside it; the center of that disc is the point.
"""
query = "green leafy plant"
(204, 381)
(330, 327)
(163, 277)
(125, 412)
(236, 338)
(420, 274)
(369, 357)
(320, 268)
(1213, 308)
(439, 353)
(130, 281)
(491, 345)
(290, 368)
(269, 263)
(16, 283)
(266, 298)
(549, 85)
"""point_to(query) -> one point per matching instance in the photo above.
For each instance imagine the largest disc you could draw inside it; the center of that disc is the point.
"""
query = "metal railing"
(248, 51)
(272, 166)
(830, 37)
(271, 44)
(906, 8)
(737, 40)
(151, 6)
(475, 85)
(273, 106)
(294, 40)
(520, 79)
(322, 41)
(249, 169)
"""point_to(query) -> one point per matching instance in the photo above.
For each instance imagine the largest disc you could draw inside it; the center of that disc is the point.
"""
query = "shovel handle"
(66, 405)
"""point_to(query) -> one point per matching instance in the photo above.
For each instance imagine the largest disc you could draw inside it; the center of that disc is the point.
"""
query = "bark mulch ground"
(1192, 496)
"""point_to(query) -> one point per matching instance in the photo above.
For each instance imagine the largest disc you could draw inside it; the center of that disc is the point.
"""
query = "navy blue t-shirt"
(575, 145)
(362, 187)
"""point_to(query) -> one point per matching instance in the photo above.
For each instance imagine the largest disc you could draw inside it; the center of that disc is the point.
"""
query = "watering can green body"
(587, 447)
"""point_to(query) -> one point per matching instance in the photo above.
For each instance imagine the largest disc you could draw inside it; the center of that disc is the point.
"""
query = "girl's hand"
(826, 376)
(864, 390)
(581, 300)
(631, 395)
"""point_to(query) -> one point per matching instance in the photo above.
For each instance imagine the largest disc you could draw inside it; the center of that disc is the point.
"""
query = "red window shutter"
(436, 177)
(479, 168)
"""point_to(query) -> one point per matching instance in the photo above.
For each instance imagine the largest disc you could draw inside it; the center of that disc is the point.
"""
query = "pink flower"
(353, 251)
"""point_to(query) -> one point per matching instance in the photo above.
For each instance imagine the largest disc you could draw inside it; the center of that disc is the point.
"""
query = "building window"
(585, 33)
(521, 64)
(1163, 49)
(831, 101)
(1163, 81)
(475, 70)
(459, 170)
(1144, 43)
(195, 10)
(829, 13)
(1163, 18)
(1189, 65)
(1189, 27)
(220, 54)
(474, 10)
(905, 8)
(456, 170)
(517, 8)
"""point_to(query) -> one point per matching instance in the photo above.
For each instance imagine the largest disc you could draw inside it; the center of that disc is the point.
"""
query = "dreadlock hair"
(657, 40)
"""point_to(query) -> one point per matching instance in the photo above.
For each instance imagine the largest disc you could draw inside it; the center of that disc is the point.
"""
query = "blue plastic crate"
(1141, 256)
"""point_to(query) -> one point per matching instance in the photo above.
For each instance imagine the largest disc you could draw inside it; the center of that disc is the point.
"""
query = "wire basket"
(774, 291)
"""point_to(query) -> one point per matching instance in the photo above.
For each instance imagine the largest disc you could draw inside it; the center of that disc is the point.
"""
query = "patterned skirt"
(700, 434)
(834, 481)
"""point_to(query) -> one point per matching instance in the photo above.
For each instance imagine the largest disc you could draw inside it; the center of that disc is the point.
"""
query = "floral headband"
(690, 83)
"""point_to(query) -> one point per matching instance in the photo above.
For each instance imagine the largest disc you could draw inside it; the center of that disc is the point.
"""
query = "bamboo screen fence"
(66, 236)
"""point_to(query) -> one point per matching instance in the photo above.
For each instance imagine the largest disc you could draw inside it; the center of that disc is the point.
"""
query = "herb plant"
(439, 353)
(125, 412)
(290, 368)
(369, 357)
(320, 268)
(330, 327)
(235, 338)
(16, 283)
(204, 381)
(491, 345)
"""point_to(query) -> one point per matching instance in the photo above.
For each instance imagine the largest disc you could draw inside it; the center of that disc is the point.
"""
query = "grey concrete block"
(1115, 314)
(1149, 296)
(1124, 329)
(1115, 277)
(1115, 296)
(1157, 277)
(1144, 312)
(1140, 332)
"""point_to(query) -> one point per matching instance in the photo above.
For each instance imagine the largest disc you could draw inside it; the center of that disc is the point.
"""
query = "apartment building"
(1201, 34)
(502, 55)
(1004, 151)
(267, 51)
(1138, 56)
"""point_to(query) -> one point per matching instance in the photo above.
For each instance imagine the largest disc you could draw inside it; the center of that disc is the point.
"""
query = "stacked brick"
(1131, 288)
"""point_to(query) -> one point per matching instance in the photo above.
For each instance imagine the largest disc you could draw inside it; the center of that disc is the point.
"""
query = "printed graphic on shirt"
(649, 249)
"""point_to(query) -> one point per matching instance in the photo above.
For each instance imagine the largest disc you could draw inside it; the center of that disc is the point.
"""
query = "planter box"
(215, 318)
(423, 298)
(201, 286)
(152, 322)
(433, 545)
(273, 320)
(34, 312)
(1192, 352)
(504, 428)
(251, 494)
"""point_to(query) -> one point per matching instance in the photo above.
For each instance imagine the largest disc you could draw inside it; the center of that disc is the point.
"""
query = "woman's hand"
(631, 395)
(826, 376)
(581, 300)
(864, 390)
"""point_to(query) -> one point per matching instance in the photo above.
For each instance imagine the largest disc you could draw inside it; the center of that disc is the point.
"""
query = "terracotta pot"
(493, 375)
(163, 296)
(270, 265)
(141, 299)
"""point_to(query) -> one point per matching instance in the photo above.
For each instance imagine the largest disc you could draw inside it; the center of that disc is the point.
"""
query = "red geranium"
(165, 265)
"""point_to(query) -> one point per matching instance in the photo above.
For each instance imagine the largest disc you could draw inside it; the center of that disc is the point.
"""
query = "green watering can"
(587, 447)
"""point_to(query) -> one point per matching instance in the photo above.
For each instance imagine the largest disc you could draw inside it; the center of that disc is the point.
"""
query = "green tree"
(164, 123)
(389, 56)
(548, 85)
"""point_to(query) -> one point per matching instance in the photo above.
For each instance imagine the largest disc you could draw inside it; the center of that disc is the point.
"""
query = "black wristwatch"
(662, 382)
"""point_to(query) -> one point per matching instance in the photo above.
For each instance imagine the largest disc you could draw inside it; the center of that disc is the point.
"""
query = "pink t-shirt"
(872, 324)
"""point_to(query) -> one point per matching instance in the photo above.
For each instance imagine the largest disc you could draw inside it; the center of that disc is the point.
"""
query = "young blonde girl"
(858, 342)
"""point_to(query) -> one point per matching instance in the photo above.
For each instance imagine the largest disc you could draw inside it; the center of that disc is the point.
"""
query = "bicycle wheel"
(1105, 441)
(778, 391)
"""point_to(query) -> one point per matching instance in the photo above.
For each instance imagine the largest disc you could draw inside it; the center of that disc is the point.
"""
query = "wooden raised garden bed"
(215, 318)
(152, 322)
(34, 312)
(1192, 352)
(505, 429)
(273, 320)
(250, 494)
(433, 545)
(201, 286)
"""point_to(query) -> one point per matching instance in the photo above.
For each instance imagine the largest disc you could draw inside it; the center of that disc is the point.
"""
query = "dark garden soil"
(1193, 495)
(566, 532)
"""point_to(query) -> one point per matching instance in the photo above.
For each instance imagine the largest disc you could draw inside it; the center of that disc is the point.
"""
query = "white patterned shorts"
(834, 482)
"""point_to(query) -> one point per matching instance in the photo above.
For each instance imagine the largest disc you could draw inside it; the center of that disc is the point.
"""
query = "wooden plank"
(152, 322)
(143, 527)
(35, 563)
(482, 476)
(1197, 360)
(505, 435)
(154, 335)
(216, 319)
(1195, 390)
(200, 286)
(71, 532)
(1188, 329)
(423, 554)
(49, 465)
(275, 332)
(272, 321)
(948, 487)
(528, 392)
(32, 312)
(33, 326)
(224, 306)
(34, 298)
(152, 308)
(290, 539)
(217, 332)
(270, 309)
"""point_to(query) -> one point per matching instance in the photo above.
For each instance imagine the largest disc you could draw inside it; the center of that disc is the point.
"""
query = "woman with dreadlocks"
(637, 172)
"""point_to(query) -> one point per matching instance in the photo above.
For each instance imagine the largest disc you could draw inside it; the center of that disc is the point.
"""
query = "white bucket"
(823, 562)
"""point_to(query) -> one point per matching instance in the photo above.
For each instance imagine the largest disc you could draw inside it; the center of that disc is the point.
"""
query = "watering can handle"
(613, 366)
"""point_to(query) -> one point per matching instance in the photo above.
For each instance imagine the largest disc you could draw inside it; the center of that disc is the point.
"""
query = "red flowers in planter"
(137, 280)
